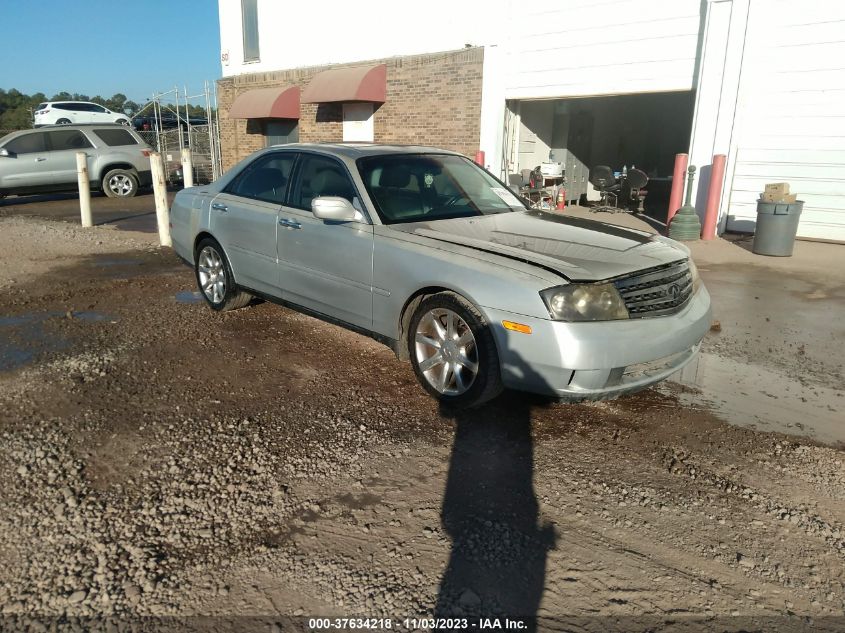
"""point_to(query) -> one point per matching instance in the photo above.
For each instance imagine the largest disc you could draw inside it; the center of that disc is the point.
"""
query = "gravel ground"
(158, 459)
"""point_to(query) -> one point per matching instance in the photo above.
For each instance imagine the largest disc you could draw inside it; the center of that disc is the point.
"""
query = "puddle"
(763, 399)
(188, 296)
(24, 337)
(116, 262)
(146, 223)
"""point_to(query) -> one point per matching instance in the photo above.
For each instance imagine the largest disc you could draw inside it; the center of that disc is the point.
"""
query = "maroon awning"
(362, 83)
(267, 103)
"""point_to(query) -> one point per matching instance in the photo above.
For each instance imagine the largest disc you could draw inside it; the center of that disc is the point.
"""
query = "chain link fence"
(203, 141)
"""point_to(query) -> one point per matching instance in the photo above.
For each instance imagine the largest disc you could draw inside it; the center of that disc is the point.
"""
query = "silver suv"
(44, 160)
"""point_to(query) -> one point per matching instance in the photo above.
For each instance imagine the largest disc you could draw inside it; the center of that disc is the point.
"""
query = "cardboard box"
(778, 198)
(777, 188)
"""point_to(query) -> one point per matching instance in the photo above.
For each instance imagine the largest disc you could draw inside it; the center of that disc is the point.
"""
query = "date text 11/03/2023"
(416, 624)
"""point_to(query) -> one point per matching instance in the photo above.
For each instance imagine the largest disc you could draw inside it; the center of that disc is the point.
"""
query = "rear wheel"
(453, 352)
(122, 121)
(120, 183)
(215, 279)
(63, 122)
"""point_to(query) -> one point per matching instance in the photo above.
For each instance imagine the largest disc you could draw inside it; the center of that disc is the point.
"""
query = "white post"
(187, 167)
(160, 195)
(84, 188)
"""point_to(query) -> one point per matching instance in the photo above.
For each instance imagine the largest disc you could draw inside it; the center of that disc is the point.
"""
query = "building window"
(249, 14)
(358, 122)
(280, 132)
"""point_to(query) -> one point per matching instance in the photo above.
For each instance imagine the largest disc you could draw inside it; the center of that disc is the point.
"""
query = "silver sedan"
(427, 252)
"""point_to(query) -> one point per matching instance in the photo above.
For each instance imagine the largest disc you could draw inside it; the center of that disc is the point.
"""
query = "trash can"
(777, 224)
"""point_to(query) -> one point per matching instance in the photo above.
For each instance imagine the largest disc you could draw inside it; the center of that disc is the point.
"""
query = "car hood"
(578, 249)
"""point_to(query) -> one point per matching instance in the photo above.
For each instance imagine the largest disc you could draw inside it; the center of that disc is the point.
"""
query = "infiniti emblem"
(674, 291)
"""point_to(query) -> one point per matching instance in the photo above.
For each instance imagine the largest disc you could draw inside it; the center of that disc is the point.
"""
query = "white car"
(64, 112)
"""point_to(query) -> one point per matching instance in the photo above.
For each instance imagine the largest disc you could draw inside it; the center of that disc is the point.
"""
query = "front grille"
(657, 291)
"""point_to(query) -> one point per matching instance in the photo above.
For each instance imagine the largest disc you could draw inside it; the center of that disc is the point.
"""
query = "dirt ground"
(158, 459)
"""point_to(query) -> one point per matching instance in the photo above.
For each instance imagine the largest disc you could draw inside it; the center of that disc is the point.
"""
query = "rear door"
(27, 165)
(61, 159)
(244, 220)
(325, 266)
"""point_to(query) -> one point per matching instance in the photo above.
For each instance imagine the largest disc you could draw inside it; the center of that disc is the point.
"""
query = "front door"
(27, 165)
(244, 218)
(325, 266)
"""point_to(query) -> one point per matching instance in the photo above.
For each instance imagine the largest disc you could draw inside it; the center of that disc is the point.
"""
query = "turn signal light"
(517, 327)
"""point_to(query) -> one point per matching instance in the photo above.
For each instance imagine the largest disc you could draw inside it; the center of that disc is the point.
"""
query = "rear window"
(41, 106)
(114, 138)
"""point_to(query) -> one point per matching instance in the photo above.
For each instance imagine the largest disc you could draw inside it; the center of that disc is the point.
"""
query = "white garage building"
(615, 82)
(761, 81)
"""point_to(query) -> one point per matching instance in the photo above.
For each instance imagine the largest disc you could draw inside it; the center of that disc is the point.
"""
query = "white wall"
(594, 47)
(790, 123)
(579, 48)
(340, 31)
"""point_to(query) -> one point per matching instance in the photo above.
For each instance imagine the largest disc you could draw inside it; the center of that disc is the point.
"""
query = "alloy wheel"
(121, 185)
(446, 352)
(212, 274)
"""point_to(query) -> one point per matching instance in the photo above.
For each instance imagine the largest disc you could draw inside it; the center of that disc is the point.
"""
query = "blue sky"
(101, 47)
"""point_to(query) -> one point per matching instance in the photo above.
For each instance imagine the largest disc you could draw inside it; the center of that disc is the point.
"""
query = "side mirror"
(335, 209)
(4, 152)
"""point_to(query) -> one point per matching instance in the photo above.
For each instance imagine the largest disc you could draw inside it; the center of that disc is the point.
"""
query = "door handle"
(39, 159)
(291, 224)
(219, 206)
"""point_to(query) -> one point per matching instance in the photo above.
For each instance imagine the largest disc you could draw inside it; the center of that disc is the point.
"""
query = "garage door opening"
(621, 131)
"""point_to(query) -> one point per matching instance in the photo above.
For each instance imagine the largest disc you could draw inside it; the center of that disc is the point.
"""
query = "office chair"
(633, 185)
(602, 178)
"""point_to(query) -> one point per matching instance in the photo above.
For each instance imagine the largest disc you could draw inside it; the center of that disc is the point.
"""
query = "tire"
(215, 280)
(456, 361)
(63, 122)
(122, 121)
(120, 183)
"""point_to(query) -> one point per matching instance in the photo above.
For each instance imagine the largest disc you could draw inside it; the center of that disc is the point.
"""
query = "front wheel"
(120, 183)
(215, 279)
(453, 352)
(122, 121)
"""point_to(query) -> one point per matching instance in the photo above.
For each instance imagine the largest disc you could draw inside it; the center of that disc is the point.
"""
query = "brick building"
(431, 99)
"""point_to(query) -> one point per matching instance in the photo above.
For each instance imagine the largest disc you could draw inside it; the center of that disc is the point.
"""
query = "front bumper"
(598, 360)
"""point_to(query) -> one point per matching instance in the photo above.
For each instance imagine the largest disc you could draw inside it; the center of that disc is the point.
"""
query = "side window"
(62, 106)
(28, 143)
(67, 139)
(116, 137)
(265, 179)
(321, 176)
(98, 108)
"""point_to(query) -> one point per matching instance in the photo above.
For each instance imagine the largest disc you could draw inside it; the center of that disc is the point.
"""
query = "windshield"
(425, 187)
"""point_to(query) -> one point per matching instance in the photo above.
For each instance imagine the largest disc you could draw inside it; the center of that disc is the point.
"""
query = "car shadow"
(44, 197)
(497, 564)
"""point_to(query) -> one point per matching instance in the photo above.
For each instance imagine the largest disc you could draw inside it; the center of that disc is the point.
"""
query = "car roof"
(359, 150)
(66, 126)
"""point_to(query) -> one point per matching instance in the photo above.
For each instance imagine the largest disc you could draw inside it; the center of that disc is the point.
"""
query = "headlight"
(584, 302)
(693, 271)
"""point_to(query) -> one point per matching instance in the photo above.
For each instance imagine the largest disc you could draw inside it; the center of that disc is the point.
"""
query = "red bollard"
(714, 197)
(678, 178)
(479, 158)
